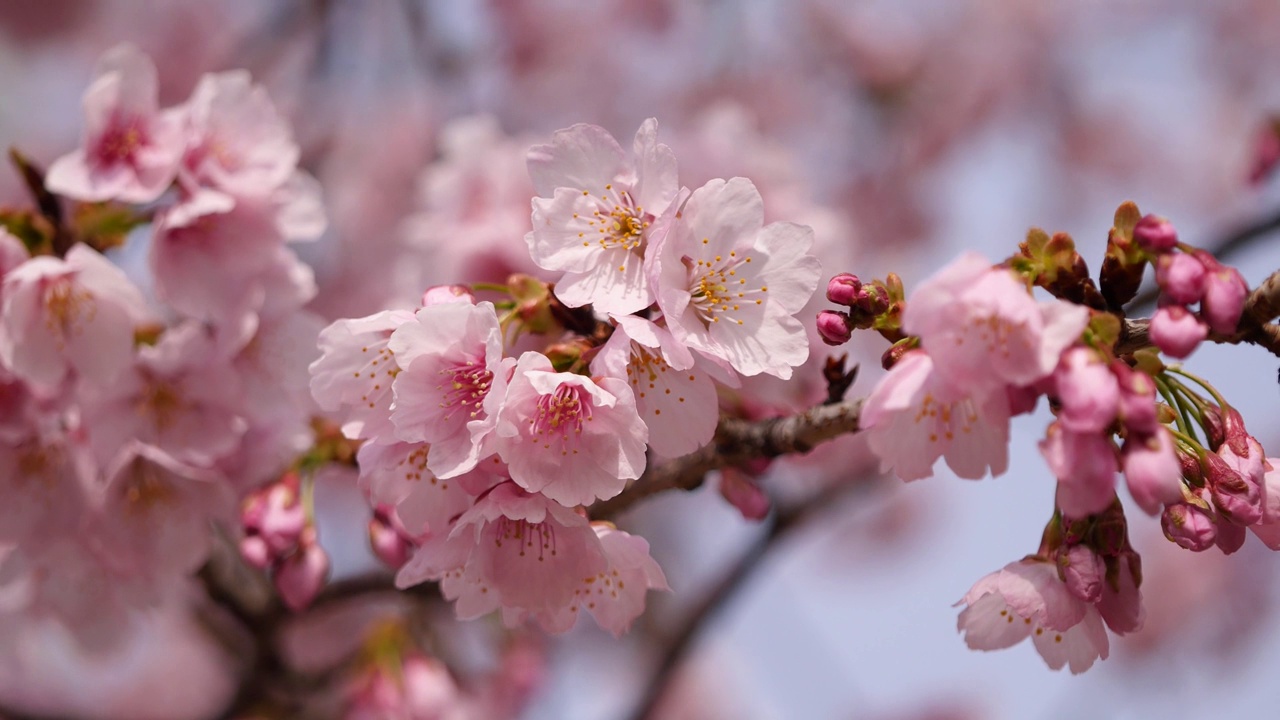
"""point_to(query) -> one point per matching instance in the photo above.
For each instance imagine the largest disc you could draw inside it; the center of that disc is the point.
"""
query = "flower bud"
(1152, 470)
(1082, 570)
(1224, 294)
(743, 493)
(1189, 526)
(1176, 331)
(1215, 426)
(874, 300)
(301, 576)
(387, 544)
(1137, 399)
(1238, 498)
(282, 518)
(1180, 277)
(1191, 468)
(448, 294)
(1234, 433)
(1155, 234)
(834, 327)
(844, 289)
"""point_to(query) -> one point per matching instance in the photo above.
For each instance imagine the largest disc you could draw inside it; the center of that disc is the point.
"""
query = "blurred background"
(903, 131)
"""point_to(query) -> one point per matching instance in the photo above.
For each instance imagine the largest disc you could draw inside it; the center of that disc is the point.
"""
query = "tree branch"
(1260, 308)
(736, 442)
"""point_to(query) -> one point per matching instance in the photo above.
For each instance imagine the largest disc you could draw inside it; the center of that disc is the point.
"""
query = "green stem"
(1184, 425)
(1222, 402)
(492, 287)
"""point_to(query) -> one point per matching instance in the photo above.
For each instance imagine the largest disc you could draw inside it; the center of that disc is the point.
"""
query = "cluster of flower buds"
(491, 462)
(877, 305)
(977, 349)
(132, 422)
(1187, 276)
(280, 536)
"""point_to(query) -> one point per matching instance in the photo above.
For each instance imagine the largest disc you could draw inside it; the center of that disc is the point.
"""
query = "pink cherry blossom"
(1026, 599)
(674, 395)
(451, 384)
(131, 148)
(984, 329)
(78, 313)
(1268, 528)
(511, 550)
(420, 689)
(1177, 332)
(45, 479)
(914, 416)
(567, 436)
(593, 217)
(178, 396)
(728, 285)
(1190, 526)
(301, 576)
(396, 475)
(236, 141)
(158, 513)
(355, 371)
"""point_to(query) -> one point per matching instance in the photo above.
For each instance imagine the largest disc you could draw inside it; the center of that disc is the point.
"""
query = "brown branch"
(736, 442)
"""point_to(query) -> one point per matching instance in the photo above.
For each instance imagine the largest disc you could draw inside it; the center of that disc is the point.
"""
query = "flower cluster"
(488, 461)
(973, 348)
(132, 423)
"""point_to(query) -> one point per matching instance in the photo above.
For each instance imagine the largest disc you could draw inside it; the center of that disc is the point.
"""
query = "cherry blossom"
(593, 217)
(1026, 599)
(728, 285)
(568, 437)
(355, 372)
(59, 315)
(915, 415)
(131, 148)
(451, 360)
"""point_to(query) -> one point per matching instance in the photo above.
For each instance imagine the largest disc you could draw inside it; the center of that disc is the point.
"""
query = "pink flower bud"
(834, 327)
(1121, 604)
(301, 576)
(1189, 526)
(1215, 426)
(1137, 399)
(282, 518)
(741, 492)
(1176, 331)
(1155, 234)
(1152, 470)
(448, 294)
(255, 552)
(387, 544)
(1224, 293)
(1088, 391)
(1180, 277)
(1082, 572)
(1191, 468)
(874, 300)
(844, 289)
(1238, 498)
(1234, 433)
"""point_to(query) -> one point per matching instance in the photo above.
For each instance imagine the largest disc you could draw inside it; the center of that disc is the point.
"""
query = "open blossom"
(451, 384)
(131, 148)
(45, 479)
(594, 213)
(674, 396)
(396, 475)
(728, 285)
(915, 415)
(1026, 599)
(567, 436)
(78, 313)
(236, 141)
(354, 373)
(513, 550)
(178, 396)
(984, 329)
(1268, 528)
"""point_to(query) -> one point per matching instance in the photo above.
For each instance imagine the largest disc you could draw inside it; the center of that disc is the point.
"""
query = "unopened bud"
(387, 544)
(834, 327)
(1224, 294)
(1082, 570)
(1230, 538)
(1177, 332)
(1215, 426)
(874, 300)
(1180, 277)
(895, 353)
(1235, 435)
(743, 493)
(844, 289)
(1155, 234)
(301, 576)
(255, 552)
(1189, 527)
(1236, 497)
